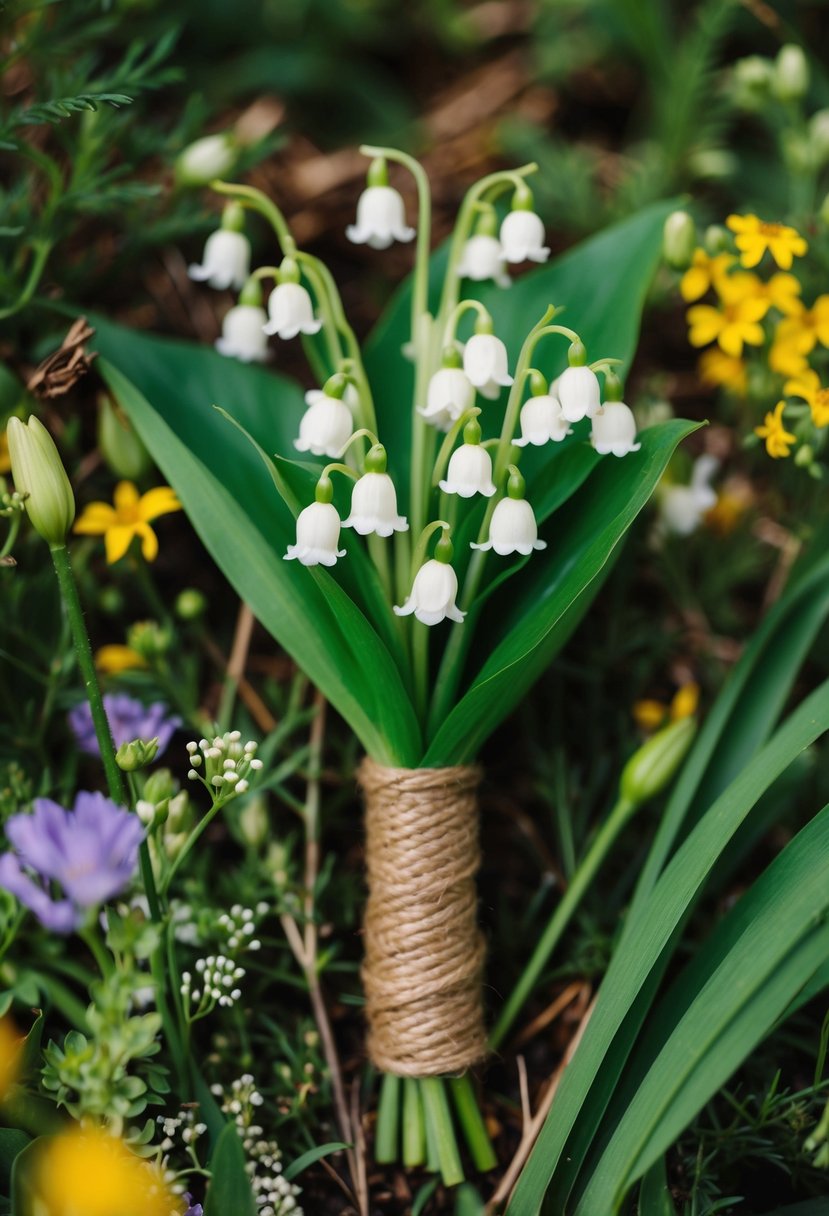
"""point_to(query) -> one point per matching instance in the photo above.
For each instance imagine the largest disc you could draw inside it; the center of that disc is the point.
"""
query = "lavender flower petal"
(128, 719)
(57, 915)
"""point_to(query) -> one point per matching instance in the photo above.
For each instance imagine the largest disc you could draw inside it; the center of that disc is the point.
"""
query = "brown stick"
(532, 1129)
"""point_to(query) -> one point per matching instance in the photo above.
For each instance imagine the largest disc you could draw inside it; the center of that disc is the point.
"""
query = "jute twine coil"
(424, 953)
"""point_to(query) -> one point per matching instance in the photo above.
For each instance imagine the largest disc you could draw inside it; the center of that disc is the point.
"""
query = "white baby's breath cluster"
(223, 764)
(275, 1196)
(215, 983)
(184, 1129)
(238, 927)
(456, 380)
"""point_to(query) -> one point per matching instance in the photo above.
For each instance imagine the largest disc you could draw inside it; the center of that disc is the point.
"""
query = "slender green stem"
(584, 875)
(414, 1129)
(11, 536)
(192, 840)
(454, 318)
(439, 1118)
(42, 248)
(86, 663)
(388, 1120)
(472, 1123)
(256, 200)
(378, 551)
(105, 962)
(420, 666)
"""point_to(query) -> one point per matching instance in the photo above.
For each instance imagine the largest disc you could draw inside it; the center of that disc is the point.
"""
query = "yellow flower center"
(128, 514)
(822, 399)
(770, 230)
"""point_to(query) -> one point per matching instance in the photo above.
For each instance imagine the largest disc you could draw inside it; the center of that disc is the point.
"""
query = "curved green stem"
(256, 200)
(455, 315)
(11, 536)
(581, 880)
(42, 248)
(193, 839)
(449, 442)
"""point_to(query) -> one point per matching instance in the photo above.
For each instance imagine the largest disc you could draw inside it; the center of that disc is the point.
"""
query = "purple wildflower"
(194, 1209)
(91, 852)
(128, 719)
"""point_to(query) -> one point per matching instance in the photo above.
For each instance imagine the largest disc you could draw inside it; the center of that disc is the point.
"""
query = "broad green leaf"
(642, 951)
(581, 537)
(12, 1142)
(24, 1200)
(313, 1155)
(738, 985)
(230, 1189)
(346, 660)
(744, 713)
(654, 1194)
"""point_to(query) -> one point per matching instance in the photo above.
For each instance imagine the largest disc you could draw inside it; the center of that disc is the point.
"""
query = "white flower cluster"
(238, 926)
(227, 763)
(184, 1127)
(275, 1196)
(218, 976)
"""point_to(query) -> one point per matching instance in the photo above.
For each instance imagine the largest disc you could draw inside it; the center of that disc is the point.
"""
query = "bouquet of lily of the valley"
(421, 532)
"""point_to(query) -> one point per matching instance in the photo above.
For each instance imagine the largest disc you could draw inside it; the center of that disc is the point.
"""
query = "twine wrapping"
(424, 953)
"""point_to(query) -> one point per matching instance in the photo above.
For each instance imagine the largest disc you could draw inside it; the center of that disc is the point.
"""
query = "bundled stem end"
(424, 952)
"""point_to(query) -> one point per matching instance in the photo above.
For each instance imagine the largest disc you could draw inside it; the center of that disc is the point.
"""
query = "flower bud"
(190, 604)
(253, 823)
(819, 135)
(205, 159)
(679, 240)
(136, 754)
(38, 472)
(751, 80)
(650, 768)
(159, 786)
(119, 443)
(790, 74)
(149, 639)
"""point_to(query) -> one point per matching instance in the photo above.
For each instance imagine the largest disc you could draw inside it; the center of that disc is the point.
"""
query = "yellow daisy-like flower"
(788, 351)
(783, 293)
(755, 236)
(725, 371)
(804, 330)
(130, 516)
(736, 323)
(113, 659)
(807, 385)
(778, 439)
(86, 1172)
(703, 273)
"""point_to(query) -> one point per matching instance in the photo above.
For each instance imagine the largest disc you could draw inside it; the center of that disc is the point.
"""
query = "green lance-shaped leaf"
(230, 1189)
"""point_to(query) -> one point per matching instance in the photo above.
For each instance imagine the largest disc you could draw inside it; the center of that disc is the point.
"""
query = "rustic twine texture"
(424, 953)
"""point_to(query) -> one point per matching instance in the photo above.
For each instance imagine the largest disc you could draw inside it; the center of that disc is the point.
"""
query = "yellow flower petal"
(684, 704)
(149, 541)
(160, 501)
(125, 498)
(95, 518)
(649, 715)
(87, 1171)
(694, 283)
(113, 659)
(117, 540)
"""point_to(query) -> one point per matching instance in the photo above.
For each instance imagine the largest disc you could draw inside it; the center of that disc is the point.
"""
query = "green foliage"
(229, 1189)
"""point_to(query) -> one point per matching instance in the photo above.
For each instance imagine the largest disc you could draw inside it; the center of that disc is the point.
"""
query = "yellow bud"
(38, 472)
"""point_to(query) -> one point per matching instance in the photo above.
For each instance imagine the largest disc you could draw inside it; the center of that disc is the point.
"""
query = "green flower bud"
(751, 81)
(178, 813)
(650, 768)
(819, 136)
(119, 443)
(790, 74)
(111, 600)
(159, 786)
(717, 239)
(205, 159)
(149, 639)
(253, 823)
(38, 472)
(679, 240)
(190, 604)
(136, 754)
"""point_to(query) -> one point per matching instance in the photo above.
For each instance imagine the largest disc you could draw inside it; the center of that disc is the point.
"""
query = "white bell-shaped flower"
(317, 536)
(381, 219)
(512, 528)
(374, 499)
(243, 335)
(483, 258)
(290, 312)
(485, 364)
(614, 430)
(225, 261)
(578, 392)
(681, 508)
(433, 594)
(522, 237)
(326, 426)
(542, 421)
(351, 397)
(450, 394)
(470, 466)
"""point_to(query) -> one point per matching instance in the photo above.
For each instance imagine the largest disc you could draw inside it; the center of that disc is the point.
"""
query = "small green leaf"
(314, 1154)
(230, 1189)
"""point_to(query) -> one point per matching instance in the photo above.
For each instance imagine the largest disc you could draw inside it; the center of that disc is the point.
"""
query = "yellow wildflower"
(129, 517)
(5, 459)
(11, 1046)
(113, 659)
(650, 714)
(86, 1172)
(736, 323)
(788, 351)
(783, 293)
(778, 439)
(704, 272)
(726, 371)
(755, 236)
(807, 385)
(803, 331)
